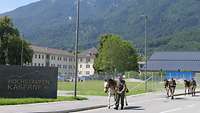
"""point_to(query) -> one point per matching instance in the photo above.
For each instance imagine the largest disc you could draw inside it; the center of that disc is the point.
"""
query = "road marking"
(145, 101)
(190, 106)
(172, 110)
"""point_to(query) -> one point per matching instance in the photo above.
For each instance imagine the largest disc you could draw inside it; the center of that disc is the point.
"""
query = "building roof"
(47, 50)
(89, 53)
(174, 61)
(177, 56)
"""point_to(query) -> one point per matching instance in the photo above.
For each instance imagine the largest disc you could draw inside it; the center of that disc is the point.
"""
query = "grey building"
(174, 61)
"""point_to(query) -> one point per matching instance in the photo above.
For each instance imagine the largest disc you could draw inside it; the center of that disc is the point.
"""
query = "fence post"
(152, 81)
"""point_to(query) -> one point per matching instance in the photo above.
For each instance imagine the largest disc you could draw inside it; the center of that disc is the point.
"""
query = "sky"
(8, 5)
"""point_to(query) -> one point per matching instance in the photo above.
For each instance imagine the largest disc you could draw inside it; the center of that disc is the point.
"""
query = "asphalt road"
(156, 103)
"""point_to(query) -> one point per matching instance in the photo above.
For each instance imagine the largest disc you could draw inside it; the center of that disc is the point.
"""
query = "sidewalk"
(56, 107)
(93, 102)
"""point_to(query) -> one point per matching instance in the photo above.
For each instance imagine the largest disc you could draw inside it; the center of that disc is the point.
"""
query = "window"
(64, 58)
(51, 57)
(87, 66)
(87, 72)
(35, 64)
(70, 59)
(81, 59)
(70, 67)
(65, 66)
(38, 64)
(39, 56)
(80, 66)
(42, 64)
(35, 56)
(87, 59)
(59, 66)
(42, 56)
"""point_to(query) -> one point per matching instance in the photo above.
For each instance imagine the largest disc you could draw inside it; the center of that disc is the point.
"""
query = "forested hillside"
(172, 24)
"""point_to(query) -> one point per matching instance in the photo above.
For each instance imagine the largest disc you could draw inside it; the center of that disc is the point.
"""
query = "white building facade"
(86, 62)
(64, 61)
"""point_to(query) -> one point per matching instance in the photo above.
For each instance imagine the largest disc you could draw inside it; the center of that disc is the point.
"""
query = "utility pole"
(22, 50)
(0, 41)
(6, 54)
(146, 52)
(76, 49)
(145, 22)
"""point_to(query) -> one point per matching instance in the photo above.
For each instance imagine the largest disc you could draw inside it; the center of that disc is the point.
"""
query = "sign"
(22, 81)
(179, 75)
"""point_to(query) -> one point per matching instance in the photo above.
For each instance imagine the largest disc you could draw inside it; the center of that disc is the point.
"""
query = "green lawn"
(95, 87)
(15, 101)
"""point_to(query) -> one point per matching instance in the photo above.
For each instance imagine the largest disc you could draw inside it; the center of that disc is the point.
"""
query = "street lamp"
(76, 48)
(145, 22)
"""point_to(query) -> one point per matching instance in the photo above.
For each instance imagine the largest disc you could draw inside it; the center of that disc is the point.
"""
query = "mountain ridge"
(51, 23)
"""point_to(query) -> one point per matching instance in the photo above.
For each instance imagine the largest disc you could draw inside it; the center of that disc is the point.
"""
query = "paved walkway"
(54, 107)
(156, 104)
(65, 107)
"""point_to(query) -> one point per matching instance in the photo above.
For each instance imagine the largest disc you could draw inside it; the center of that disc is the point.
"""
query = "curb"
(184, 93)
(76, 110)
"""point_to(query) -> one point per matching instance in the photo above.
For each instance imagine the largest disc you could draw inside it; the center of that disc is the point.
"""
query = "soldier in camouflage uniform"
(121, 90)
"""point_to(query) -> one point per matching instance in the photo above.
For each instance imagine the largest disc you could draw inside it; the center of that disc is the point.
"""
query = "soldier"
(193, 86)
(172, 85)
(121, 89)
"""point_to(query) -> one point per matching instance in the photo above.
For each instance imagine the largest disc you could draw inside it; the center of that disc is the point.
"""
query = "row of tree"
(114, 54)
(12, 45)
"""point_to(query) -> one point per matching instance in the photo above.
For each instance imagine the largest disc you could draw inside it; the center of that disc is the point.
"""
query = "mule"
(187, 84)
(110, 87)
(166, 85)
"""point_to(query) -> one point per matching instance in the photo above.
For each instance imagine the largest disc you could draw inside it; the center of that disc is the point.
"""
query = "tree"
(11, 44)
(115, 54)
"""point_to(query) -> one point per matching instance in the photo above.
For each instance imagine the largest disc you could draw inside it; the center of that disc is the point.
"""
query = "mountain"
(52, 22)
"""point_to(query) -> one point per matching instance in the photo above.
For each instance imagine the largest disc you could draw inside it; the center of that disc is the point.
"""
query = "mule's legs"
(109, 96)
(185, 90)
(189, 90)
(167, 90)
(193, 90)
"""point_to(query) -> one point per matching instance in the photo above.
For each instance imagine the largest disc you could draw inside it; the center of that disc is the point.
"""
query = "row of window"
(54, 65)
(70, 59)
(38, 64)
(40, 56)
(87, 60)
(63, 66)
(86, 72)
(87, 66)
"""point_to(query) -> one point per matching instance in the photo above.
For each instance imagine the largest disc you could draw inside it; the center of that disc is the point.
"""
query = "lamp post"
(145, 31)
(76, 48)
